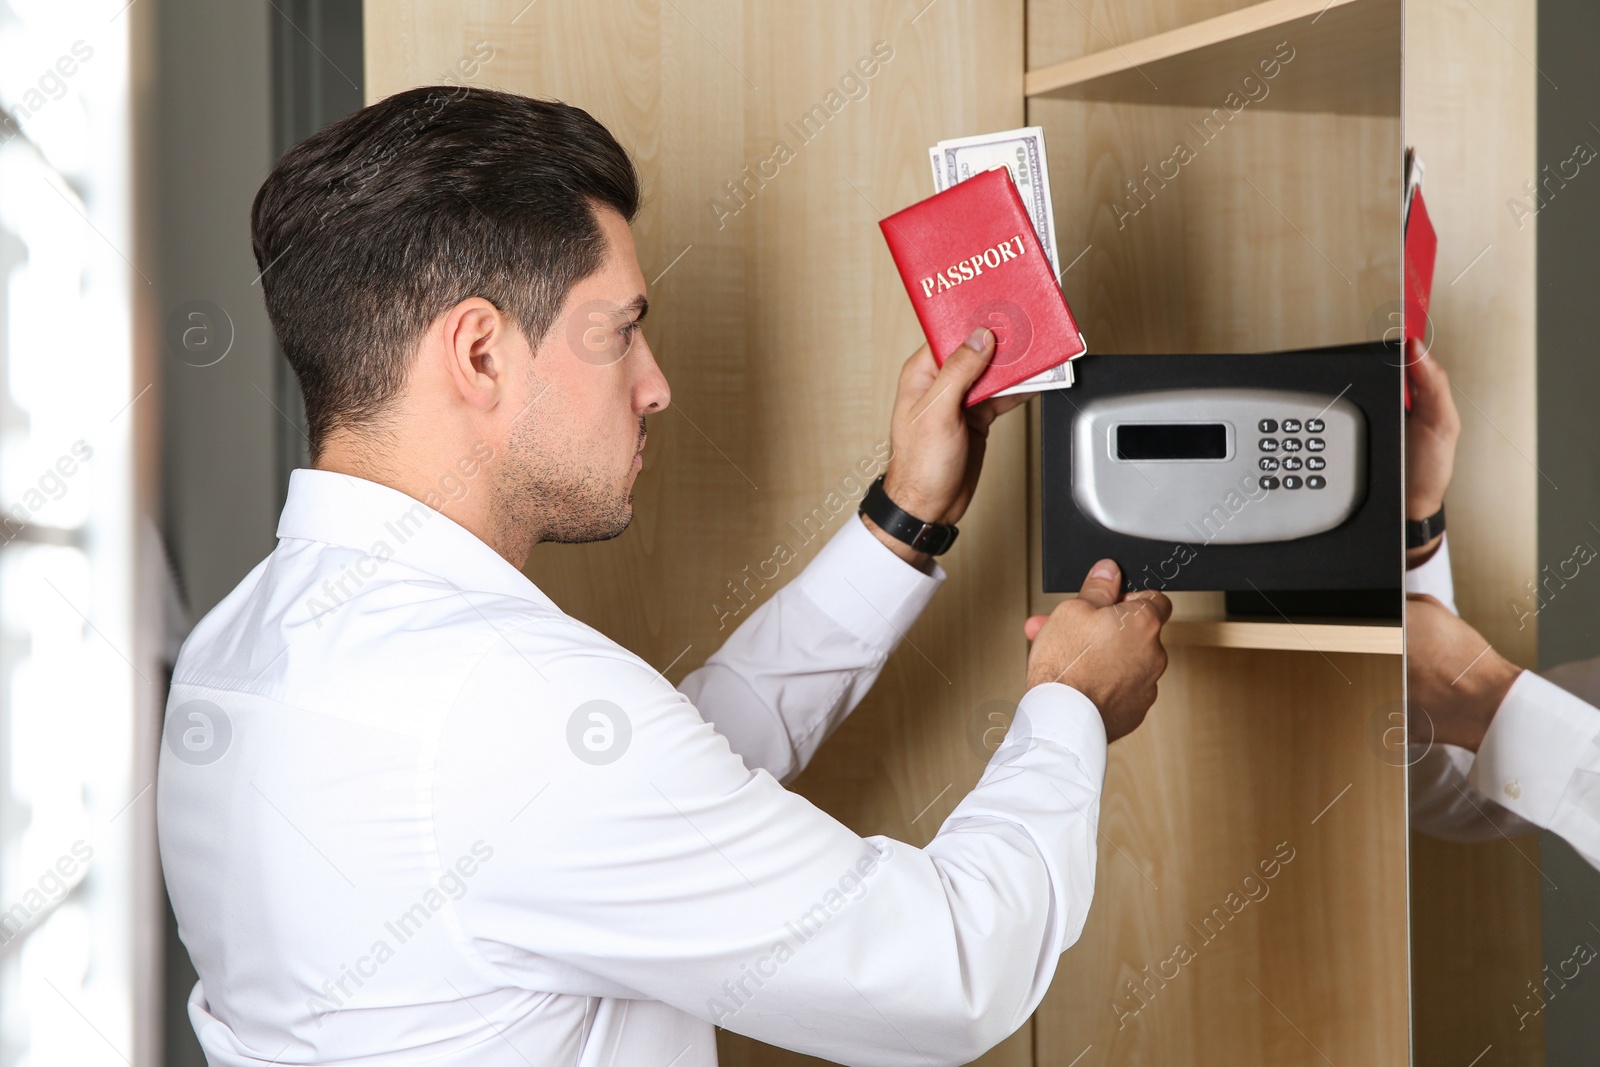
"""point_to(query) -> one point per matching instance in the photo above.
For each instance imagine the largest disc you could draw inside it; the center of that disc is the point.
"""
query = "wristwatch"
(928, 537)
(1420, 533)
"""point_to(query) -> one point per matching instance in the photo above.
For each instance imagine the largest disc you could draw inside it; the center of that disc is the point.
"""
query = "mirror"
(1504, 767)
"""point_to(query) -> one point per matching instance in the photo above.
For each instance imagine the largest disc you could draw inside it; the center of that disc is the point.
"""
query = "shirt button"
(1513, 790)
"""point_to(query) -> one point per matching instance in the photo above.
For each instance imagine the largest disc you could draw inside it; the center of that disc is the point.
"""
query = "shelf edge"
(1286, 636)
(1191, 38)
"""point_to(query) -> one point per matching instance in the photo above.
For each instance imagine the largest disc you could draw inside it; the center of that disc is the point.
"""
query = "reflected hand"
(1455, 680)
(1432, 430)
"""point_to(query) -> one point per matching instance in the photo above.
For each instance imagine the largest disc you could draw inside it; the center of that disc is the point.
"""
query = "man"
(417, 813)
(1496, 749)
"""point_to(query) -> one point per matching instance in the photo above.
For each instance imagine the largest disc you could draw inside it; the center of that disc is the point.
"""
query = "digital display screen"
(1172, 440)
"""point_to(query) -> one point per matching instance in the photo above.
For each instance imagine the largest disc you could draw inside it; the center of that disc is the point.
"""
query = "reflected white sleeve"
(1540, 760)
(1443, 801)
(1445, 804)
(1434, 578)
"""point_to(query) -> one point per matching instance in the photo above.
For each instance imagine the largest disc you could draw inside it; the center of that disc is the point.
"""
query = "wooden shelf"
(1375, 638)
(1346, 59)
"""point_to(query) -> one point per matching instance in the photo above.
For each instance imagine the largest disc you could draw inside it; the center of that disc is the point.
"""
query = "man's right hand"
(1105, 646)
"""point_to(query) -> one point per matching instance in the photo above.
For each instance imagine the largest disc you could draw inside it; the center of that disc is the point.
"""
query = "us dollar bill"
(1022, 152)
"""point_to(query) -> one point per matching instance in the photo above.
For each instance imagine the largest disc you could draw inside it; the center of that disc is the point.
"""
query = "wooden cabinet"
(781, 323)
(1232, 176)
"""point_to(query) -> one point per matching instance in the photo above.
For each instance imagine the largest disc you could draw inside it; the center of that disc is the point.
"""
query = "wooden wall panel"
(781, 326)
(1248, 757)
(1268, 239)
(1470, 98)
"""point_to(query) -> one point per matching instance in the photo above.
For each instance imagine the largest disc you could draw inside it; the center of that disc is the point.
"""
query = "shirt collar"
(342, 509)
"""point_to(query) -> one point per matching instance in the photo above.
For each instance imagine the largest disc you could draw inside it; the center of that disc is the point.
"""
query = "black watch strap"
(927, 537)
(1420, 533)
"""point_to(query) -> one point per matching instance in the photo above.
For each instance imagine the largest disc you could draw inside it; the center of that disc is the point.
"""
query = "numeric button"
(1291, 444)
(1269, 463)
(1315, 426)
(1316, 463)
(1315, 444)
(1267, 426)
(1291, 425)
(1291, 463)
(1269, 444)
(1292, 482)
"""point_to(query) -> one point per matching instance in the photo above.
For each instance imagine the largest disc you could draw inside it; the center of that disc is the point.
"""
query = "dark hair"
(371, 228)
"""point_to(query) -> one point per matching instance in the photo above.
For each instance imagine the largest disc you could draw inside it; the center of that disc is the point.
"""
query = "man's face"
(576, 446)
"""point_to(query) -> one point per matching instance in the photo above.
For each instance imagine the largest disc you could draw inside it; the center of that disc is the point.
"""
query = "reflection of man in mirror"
(1496, 749)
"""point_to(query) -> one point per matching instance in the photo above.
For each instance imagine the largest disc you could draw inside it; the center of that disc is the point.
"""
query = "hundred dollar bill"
(1022, 152)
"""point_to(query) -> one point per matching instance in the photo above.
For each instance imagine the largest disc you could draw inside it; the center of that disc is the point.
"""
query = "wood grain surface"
(1345, 54)
(1281, 229)
(1471, 95)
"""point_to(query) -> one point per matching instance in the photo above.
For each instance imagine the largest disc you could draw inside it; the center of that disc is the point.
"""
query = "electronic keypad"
(1173, 464)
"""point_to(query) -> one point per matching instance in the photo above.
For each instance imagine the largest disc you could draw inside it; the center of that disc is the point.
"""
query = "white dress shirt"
(410, 811)
(1538, 766)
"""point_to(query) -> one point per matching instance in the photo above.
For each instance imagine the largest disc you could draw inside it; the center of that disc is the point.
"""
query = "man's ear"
(476, 337)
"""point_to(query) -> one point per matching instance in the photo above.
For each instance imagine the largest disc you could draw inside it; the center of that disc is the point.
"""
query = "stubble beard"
(544, 493)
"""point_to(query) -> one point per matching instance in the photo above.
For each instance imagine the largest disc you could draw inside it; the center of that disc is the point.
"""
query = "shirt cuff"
(1057, 712)
(1433, 577)
(1535, 742)
(857, 581)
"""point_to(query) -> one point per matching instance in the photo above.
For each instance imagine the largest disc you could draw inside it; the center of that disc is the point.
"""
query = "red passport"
(969, 257)
(1421, 248)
